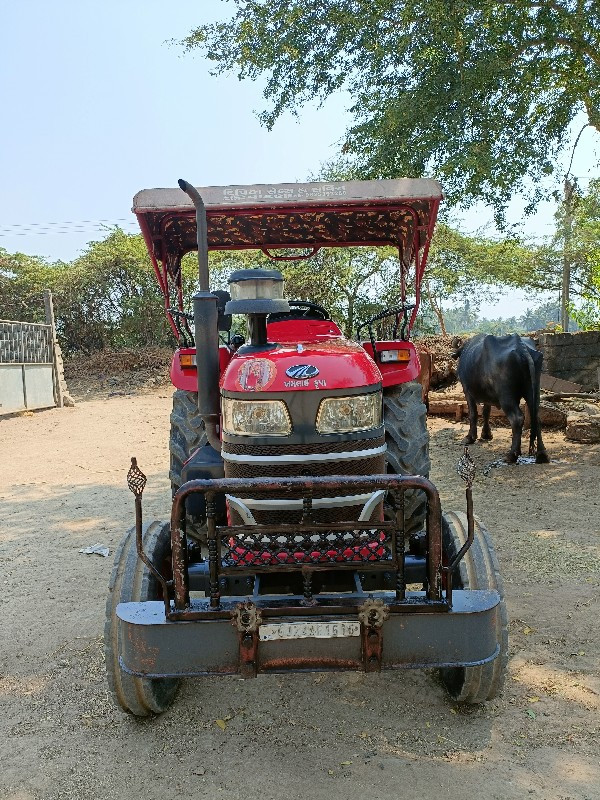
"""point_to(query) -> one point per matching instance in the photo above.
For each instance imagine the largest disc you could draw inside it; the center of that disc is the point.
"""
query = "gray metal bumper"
(464, 635)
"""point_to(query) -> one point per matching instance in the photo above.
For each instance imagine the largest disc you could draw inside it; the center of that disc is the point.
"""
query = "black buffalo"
(499, 371)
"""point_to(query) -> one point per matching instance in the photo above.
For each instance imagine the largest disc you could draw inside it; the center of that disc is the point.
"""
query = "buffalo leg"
(535, 431)
(541, 456)
(515, 417)
(486, 431)
(472, 435)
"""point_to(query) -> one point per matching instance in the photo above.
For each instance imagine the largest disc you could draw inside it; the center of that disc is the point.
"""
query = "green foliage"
(106, 298)
(584, 245)
(468, 269)
(463, 319)
(352, 282)
(546, 315)
(480, 94)
(109, 297)
(587, 315)
(23, 279)
(577, 242)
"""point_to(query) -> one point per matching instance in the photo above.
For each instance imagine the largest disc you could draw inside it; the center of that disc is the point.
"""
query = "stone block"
(582, 427)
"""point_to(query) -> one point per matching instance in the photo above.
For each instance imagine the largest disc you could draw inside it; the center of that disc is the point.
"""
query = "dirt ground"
(62, 488)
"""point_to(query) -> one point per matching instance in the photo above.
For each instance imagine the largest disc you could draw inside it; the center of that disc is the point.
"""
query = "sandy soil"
(62, 479)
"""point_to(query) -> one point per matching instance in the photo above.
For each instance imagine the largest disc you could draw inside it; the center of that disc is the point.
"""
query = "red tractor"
(304, 534)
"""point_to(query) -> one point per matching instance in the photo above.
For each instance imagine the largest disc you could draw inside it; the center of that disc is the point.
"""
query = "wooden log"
(558, 385)
(424, 378)
(550, 415)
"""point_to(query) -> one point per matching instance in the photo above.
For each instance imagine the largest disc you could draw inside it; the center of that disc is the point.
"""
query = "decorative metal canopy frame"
(399, 213)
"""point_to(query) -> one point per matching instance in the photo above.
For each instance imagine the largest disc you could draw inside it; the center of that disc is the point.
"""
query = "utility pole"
(568, 189)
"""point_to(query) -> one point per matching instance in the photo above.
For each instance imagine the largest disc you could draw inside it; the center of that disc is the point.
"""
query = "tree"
(584, 245)
(351, 282)
(542, 316)
(23, 279)
(480, 94)
(576, 242)
(109, 297)
(467, 270)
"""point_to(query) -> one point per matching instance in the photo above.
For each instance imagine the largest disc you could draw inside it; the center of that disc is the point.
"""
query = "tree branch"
(437, 310)
(570, 44)
(546, 4)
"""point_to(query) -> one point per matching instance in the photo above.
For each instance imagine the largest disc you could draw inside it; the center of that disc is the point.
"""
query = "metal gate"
(26, 366)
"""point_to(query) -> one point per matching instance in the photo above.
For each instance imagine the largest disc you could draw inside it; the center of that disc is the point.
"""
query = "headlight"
(256, 284)
(256, 417)
(346, 414)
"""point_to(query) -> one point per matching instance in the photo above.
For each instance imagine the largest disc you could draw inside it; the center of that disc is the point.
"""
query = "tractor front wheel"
(477, 570)
(132, 581)
(407, 439)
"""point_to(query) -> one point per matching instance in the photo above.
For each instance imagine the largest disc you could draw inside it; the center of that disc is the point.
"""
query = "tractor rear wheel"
(477, 570)
(187, 433)
(407, 439)
(131, 581)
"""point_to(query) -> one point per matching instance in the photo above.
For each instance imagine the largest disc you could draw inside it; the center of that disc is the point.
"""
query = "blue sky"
(97, 104)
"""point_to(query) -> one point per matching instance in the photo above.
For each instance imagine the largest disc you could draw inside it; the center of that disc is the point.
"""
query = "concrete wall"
(572, 356)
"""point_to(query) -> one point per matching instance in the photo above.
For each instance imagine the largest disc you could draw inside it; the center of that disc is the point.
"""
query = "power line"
(67, 222)
(68, 226)
(42, 232)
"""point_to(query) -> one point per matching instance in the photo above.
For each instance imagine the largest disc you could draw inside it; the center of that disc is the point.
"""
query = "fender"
(186, 378)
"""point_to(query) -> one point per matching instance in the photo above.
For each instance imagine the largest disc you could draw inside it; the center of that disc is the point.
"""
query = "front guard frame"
(221, 635)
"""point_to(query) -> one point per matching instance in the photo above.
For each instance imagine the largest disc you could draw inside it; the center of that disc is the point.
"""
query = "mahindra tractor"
(304, 531)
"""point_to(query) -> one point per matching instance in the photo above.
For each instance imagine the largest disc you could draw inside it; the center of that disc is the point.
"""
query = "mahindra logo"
(301, 372)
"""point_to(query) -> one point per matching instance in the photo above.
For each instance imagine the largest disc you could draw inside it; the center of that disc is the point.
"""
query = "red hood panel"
(333, 364)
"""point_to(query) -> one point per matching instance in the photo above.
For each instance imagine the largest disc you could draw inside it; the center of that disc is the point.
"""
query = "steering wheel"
(310, 309)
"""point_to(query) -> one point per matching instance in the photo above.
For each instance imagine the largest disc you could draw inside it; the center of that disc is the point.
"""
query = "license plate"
(308, 630)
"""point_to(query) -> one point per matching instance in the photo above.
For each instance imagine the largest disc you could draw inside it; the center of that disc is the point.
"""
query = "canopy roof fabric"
(298, 215)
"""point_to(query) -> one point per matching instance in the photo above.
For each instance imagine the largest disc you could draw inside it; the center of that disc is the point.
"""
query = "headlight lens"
(256, 417)
(257, 290)
(346, 414)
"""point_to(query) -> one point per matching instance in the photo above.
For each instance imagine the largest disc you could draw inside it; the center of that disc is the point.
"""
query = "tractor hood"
(329, 365)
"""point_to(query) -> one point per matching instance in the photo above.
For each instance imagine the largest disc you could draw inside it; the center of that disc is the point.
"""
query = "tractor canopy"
(308, 216)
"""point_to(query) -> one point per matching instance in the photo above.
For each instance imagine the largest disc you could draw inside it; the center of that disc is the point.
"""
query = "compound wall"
(572, 356)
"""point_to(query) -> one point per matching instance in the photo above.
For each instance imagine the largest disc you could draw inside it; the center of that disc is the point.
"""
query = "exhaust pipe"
(206, 331)
(201, 233)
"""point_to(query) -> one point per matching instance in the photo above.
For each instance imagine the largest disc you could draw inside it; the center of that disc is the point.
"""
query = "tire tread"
(479, 569)
(132, 581)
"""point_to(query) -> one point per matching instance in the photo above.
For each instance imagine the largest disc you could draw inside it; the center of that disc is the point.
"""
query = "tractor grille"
(325, 515)
(303, 449)
(353, 466)
(371, 465)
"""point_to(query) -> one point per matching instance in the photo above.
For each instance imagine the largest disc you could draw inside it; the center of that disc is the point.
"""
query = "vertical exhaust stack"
(205, 329)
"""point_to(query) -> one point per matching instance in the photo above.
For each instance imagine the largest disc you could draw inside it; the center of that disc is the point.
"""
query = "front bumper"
(211, 643)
